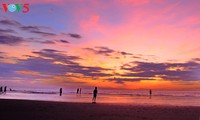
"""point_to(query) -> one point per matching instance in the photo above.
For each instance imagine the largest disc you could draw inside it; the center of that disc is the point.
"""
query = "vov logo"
(16, 7)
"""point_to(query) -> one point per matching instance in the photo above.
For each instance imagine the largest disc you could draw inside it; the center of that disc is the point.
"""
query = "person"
(80, 90)
(1, 89)
(94, 95)
(5, 88)
(77, 91)
(60, 91)
(150, 92)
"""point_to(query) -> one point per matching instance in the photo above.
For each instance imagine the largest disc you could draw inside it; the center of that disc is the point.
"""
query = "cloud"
(49, 63)
(43, 33)
(58, 56)
(196, 59)
(11, 40)
(127, 79)
(101, 50)
(30, 28)
(48, 42)
(168, 71)
(10, 22)
(2, 54)
(89, 71)
(125, 53)
(36, 30)
(64, 41)
(5, 31)
(74, 35)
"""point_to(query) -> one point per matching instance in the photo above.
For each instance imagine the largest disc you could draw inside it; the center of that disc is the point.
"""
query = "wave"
(33, 92)
(160, 94)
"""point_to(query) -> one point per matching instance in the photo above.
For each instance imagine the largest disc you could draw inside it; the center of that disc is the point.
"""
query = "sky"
(112, 44)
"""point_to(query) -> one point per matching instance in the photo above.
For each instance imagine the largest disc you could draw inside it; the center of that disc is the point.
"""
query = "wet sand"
(42, 110)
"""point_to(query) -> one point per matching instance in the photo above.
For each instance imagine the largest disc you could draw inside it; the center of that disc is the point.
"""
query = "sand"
(42, 110)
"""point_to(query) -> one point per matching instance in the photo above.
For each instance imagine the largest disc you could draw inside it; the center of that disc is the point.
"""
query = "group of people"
(95, 91)
(3, 90)
(79, 92)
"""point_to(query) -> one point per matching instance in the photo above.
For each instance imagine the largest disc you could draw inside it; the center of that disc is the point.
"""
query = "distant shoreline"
(43, 110)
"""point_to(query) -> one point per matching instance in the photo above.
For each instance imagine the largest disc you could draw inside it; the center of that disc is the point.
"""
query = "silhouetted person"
(94, 95)
(1, 89)
(10, 89)
(80, 90)
(150, 92)
(5, 88)
(60, 91)
(77, 91)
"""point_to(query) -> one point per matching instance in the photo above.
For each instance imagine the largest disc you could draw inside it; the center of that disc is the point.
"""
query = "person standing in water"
(60, 91)
(1, 89)
(80, 91)
(150, 92)
(5, 88)
(77, 90)
(94, 95)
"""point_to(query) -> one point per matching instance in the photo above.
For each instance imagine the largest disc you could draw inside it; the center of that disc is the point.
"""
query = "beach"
(46, 110)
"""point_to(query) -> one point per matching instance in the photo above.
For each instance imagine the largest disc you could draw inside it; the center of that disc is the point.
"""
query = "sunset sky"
(122, 44)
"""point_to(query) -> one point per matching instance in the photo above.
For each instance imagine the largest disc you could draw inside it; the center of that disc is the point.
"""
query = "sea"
(134, 97)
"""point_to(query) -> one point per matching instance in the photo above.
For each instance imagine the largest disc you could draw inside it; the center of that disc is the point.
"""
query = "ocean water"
(141, 97)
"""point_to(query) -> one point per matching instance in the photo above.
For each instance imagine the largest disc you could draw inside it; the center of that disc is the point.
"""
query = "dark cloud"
(46, 66)
(50, 50)
(28, 56)
(116, 54)
(74, 35)
(48, 42)
(11, 40)
(42, 66)
(101, 50)
(64, 41)
(6, 31)
(43, 33)
(125, 53)
(196, 59)
(10, 22)
(58, 56)
(36, 30)
(139, 58)
(52, 62)
(168, 71)
(122, 80)
(2, 54)
(30, 28)
(89, 71)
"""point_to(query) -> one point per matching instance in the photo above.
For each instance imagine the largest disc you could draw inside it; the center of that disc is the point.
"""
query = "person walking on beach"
(77, 91)
(60, 91)
(5, 88)
(94, 95)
